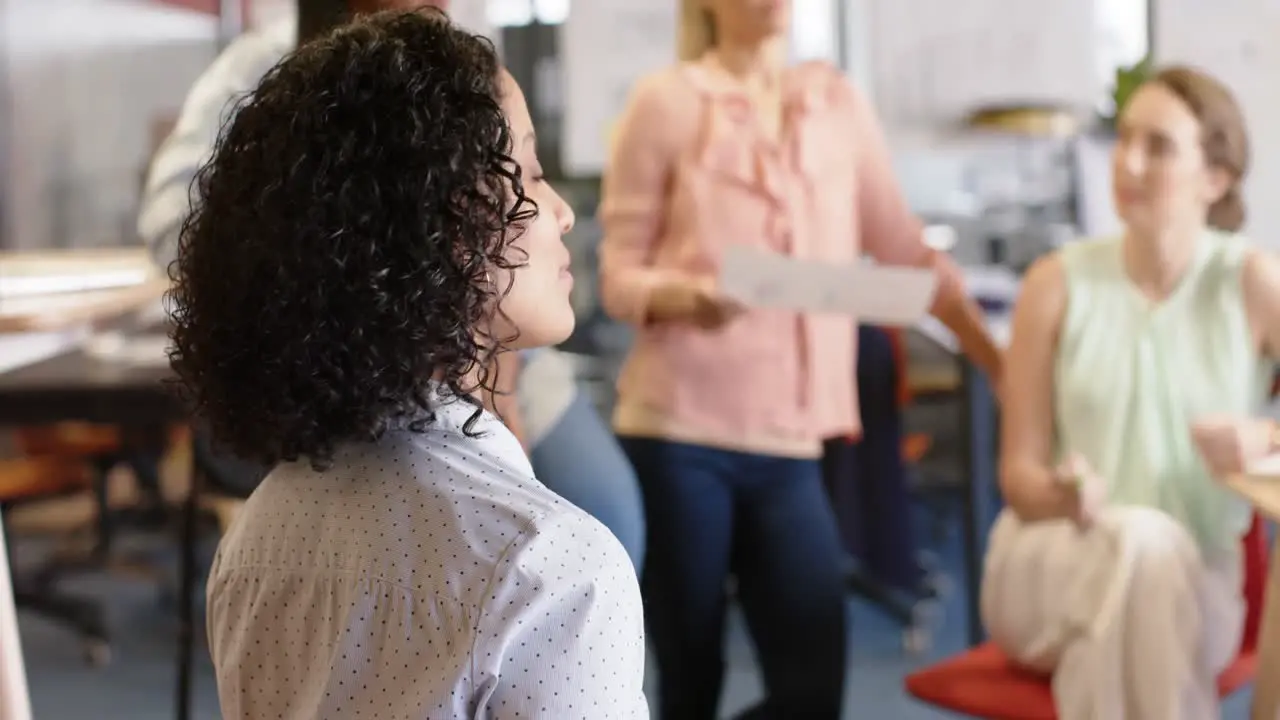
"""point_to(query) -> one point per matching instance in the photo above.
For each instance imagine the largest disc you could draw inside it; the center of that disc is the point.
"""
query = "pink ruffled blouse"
(692, 173)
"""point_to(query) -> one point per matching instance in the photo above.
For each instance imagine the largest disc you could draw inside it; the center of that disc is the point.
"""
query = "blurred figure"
(723, 409)
(571, 448)
(867, 476)
(1117, 565)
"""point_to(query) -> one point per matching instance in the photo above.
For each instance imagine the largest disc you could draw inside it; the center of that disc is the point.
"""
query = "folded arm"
(1027, 479)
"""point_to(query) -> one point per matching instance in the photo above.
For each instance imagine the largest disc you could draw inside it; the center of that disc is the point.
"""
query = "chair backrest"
(1255, 581)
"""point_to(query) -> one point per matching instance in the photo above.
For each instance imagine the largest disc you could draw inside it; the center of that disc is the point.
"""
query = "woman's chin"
(551, 328)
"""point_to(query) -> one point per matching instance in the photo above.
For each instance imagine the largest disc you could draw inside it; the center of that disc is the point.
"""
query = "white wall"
(813, 30)
(85, 81)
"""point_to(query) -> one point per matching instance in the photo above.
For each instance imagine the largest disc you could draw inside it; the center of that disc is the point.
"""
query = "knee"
(1157, 541)
(1148, 530)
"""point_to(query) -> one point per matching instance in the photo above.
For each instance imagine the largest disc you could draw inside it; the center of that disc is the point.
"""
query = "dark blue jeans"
(767, 521)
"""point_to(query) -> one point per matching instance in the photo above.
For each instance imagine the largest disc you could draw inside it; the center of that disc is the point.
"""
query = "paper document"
(877, 294)
(1268, 466)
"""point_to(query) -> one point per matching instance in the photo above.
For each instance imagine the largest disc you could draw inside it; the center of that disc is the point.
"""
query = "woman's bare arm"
(1261, 279)
(1027, 431)
(1229, 444)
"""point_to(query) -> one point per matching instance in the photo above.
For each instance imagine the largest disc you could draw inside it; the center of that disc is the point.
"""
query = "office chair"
(25, 480)
(68, 458)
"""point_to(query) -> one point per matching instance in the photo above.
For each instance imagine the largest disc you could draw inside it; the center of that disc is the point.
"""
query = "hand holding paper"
(878, 294)
(697, 303)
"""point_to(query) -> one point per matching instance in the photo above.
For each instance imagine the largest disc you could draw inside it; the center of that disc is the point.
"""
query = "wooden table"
(1261, 487)
(54, 312)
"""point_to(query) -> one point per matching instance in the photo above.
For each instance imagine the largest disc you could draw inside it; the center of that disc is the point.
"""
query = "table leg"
(979, 453)
(15, 702)
(1266, 686)
(186, 593)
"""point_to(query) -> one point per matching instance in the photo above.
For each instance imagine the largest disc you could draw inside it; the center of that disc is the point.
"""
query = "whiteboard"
(934, 61)
(1236, 41)
(605, 46)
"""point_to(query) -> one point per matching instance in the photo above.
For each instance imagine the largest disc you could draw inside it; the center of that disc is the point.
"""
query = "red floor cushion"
(984, 683)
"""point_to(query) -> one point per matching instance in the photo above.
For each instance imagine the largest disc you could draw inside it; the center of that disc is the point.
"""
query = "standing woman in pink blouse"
(722, 409)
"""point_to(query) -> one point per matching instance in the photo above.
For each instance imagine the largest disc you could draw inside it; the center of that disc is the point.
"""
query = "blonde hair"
(696, 33)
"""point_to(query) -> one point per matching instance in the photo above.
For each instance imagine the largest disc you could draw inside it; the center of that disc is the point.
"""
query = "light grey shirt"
(236, 72)
(424, 576)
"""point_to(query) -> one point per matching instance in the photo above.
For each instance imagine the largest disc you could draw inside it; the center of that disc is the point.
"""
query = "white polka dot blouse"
(427, 576)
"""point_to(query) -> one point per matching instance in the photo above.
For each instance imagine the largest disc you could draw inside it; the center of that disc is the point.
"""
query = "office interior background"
(88, 89)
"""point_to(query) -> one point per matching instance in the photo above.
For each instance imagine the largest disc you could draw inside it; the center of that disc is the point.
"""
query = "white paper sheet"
(877, 294)
(1266, 467)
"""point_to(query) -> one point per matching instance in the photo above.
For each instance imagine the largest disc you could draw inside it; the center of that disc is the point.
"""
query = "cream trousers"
(1129, 616)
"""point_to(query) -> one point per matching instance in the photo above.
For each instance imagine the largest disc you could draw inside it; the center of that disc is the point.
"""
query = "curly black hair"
(338, 256)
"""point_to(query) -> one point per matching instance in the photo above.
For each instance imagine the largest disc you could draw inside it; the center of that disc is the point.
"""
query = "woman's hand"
(1231, 444)
(696, 303)
(1088, 491)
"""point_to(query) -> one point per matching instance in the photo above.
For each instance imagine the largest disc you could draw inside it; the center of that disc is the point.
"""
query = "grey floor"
(139, 683)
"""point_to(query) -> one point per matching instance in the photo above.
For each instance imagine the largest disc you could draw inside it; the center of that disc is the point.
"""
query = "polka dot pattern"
(426, 576)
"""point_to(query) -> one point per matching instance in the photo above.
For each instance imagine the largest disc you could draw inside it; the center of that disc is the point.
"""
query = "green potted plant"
(1127, 81)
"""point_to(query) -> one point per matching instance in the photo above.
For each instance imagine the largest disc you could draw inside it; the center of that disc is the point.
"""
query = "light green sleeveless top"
(1131, 376)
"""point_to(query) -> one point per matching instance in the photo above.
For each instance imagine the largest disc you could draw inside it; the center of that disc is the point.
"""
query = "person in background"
(867, 476)
(535, 392)
(374, 227)
(1117, 565)
(723, 409)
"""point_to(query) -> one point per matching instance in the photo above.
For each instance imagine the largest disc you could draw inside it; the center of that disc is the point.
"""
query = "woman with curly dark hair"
(373, 230)
(540, 398)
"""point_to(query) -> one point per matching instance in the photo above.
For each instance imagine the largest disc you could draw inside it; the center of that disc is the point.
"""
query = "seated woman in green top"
(1117, 565)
